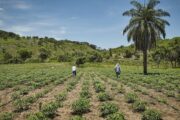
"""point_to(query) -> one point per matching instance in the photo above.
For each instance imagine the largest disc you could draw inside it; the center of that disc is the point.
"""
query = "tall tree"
(145, 26)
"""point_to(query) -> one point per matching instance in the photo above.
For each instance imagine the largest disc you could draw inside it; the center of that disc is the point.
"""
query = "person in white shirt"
(117, 69)
(74, 71)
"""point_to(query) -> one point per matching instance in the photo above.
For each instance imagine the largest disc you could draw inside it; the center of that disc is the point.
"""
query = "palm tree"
(145, 26)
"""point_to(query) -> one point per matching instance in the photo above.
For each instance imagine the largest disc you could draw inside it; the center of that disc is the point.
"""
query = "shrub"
(81, 106)
(151, 115)
(80, 60)
(108, 108)
(37, 116)
(6, 116)
(77, 118)
(131, 97)
(103, 96)
(24, 54)
(139, 106)
(49, 109)
(116, 116)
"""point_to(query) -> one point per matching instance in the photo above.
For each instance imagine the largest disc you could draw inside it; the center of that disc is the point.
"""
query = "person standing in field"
(74, 71)
(117, 69)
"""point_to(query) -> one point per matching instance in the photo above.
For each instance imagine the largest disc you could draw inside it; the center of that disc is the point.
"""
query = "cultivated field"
(47, 91)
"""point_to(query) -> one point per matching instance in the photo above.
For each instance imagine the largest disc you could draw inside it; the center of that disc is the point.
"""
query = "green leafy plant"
(81, 106)
(61, 97)
(20, 105)
(37, 116)
(6, 116)
(103, 96)
(116, 116)
(49, 109)
(99, 87)
(85, 93)
(139, 106)
(120, 89)
(151, 115)
(77, 117)
(108, 108)
(131, 97)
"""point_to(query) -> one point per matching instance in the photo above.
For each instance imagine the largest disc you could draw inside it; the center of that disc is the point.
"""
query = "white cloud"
(22, 5)
(1, 9)
(20, 29)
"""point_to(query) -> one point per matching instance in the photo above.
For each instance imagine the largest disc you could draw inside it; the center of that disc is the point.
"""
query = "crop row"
(48, 110)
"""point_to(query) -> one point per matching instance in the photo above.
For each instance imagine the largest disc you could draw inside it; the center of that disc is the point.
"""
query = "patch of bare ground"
(168, 113)
(65, 112)
(94, 113)
(45, 99)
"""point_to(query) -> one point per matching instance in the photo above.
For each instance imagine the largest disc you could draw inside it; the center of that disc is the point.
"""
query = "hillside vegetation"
(21, 49)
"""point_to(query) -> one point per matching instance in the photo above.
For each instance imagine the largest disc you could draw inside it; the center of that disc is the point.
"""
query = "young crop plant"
(108, 108)
(116, 116)
(49, 109)
(170, 94)
(120, 89)
(131, 97)
(139, 106)
(85, 93)
(103, 96)
(151, 115)
(77, 117)
(99, 87)
(81, 106)
(61, 97)
(6, 116)
(21, 105)
(37, 116)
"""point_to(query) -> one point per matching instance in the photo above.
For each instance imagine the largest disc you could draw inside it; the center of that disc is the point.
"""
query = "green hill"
(13, 45)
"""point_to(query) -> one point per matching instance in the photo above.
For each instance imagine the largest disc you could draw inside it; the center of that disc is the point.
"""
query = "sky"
(99, 22)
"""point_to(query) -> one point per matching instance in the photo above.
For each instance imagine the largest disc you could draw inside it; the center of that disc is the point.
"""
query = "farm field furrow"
(94, 94)
(168, 113)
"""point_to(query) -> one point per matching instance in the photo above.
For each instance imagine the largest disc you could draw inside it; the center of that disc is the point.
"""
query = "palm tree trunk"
(145, 61)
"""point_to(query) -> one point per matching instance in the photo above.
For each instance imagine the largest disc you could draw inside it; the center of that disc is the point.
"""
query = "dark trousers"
(74, 73)
(117, 74)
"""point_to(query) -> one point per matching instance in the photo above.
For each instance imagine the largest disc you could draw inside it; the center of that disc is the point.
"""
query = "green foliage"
(37, 116)
(43, 54)
(77, 118)
(139, 106)
(81, 106)
(108, 108)
(131, 97)
(49, 109)
(95, 57)
(103, 96)
(21, 105)
(6, 116)
(151, 115)
(61, 97)
(116, 116)
(99, 87)
(64, 58)
(24, 54)
(85, 93)
(80, 60)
